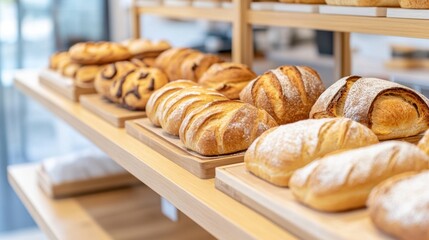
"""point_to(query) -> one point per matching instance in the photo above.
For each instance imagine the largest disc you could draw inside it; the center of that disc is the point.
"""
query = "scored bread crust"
(160, 95)
(389, 109)
(399, 206)
(277, 153)
(196, 64)
(223, 127)
(343, 181)
(98, 53)
(286, 93)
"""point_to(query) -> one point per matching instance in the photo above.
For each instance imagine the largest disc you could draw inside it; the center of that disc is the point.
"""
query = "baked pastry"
(286, 93)
(196, 64)
(228, 78)
(171, 61)
(85, 75)
(364, 3)
(56, 58)
(389, 109)
(399, 206)
(276, 154)
(155, 100)
(175, 107)
(424, 143)
(416, 4)
(98, 52)
(223, 127)
(111, 72)
(134, 88)
(163, 59)
(343, 181)
(67, 68)
(142, 48)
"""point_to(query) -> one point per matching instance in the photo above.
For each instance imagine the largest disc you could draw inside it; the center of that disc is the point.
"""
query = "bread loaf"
(134, 88)
(343, 181)
(98, 53)
(228, 78)
(286, 93)
(276, 154)
(196, 64)
(400, 206)
(416, 4)
(223, 127)
(160, 95)
(171, 61)
(143, 48)
(85, 75)
(67, 68)
(56, 58)
(389, 109)
(176, 106)
(364, 3)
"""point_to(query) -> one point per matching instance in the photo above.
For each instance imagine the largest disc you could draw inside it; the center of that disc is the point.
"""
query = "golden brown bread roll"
(88, 53)
(223, 127)
(134, 88)
(177, 105)
(171, 61)
(228, 78)
(163, 59)
(111, 72)
(343, 181)
(142, 48)
(389, 109)
(276, 154)
(85, 75)
(286, 93)
(196, 64)
(56, 58)
(399, 206)
(160, 95)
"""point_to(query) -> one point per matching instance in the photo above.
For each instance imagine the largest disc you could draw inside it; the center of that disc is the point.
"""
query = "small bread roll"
(399, 206)
(223, 127)
(171, 61)
(228, 78)
(56, 58)
(343, 181)
(196, 64)
(90, 53)
(160, 95)
(142, 48)
(286, 93)
(276, 154)
(85, 75)
(176, 106)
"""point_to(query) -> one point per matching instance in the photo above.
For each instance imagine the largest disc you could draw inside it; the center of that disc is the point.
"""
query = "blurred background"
(31, 30)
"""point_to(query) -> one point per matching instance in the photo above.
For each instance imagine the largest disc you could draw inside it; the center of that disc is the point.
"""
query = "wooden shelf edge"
(189, 13)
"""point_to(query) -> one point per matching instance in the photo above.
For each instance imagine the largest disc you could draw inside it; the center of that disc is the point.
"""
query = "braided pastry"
(98, 52)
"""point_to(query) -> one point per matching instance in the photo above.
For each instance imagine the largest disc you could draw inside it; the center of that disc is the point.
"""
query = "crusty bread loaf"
(276, 154)
(67, 68)
(223, 127)
(134, 88)
(164, 58)
(88, 53)
(228, 78)
(143, 48)
(160, 95)
(364, 3)
(424, 143)
(196, 64)
(56, 58)
(171, 61)
(286, 93)
(111, 72)
(389, 109)
(400, 206)
(416, 4)
(343, 181)
(85, 75)
(175, 107)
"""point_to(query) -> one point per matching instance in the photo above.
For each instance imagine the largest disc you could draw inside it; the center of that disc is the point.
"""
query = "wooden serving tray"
(63, 85)
(279, 205)
(172, 148)
(110, 112)
(83, 186)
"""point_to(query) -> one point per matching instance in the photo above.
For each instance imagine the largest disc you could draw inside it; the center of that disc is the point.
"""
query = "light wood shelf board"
(189, 13)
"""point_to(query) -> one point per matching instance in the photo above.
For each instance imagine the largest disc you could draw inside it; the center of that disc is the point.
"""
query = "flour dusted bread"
(389, 109)
(196, 64)
(223, 127)
(343, 181)
(399, 206)
(155, 100)
(277, 153)
(134, 88)
(286, 93)
(364, 3)
(143, 48)
(175, 107)
(228, 78)
(98, 52)
(416, 4)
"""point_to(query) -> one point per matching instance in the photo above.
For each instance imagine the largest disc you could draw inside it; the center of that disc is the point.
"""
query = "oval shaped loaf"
(343, 181)
(276, 154)
(176, 106)
(86, 74)
(143, 48)
(196, 64)
(160, 95)
(56, 58)
(399, 206)
(224, 127)
(112, 72)
(389, 109)
(171, 61)
(134, 88)
(98, 52)
(228, 78)
(286, 93)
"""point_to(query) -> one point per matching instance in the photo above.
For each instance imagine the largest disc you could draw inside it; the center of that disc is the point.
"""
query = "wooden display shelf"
(220, 215)
(129, 213)
(189, 13)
